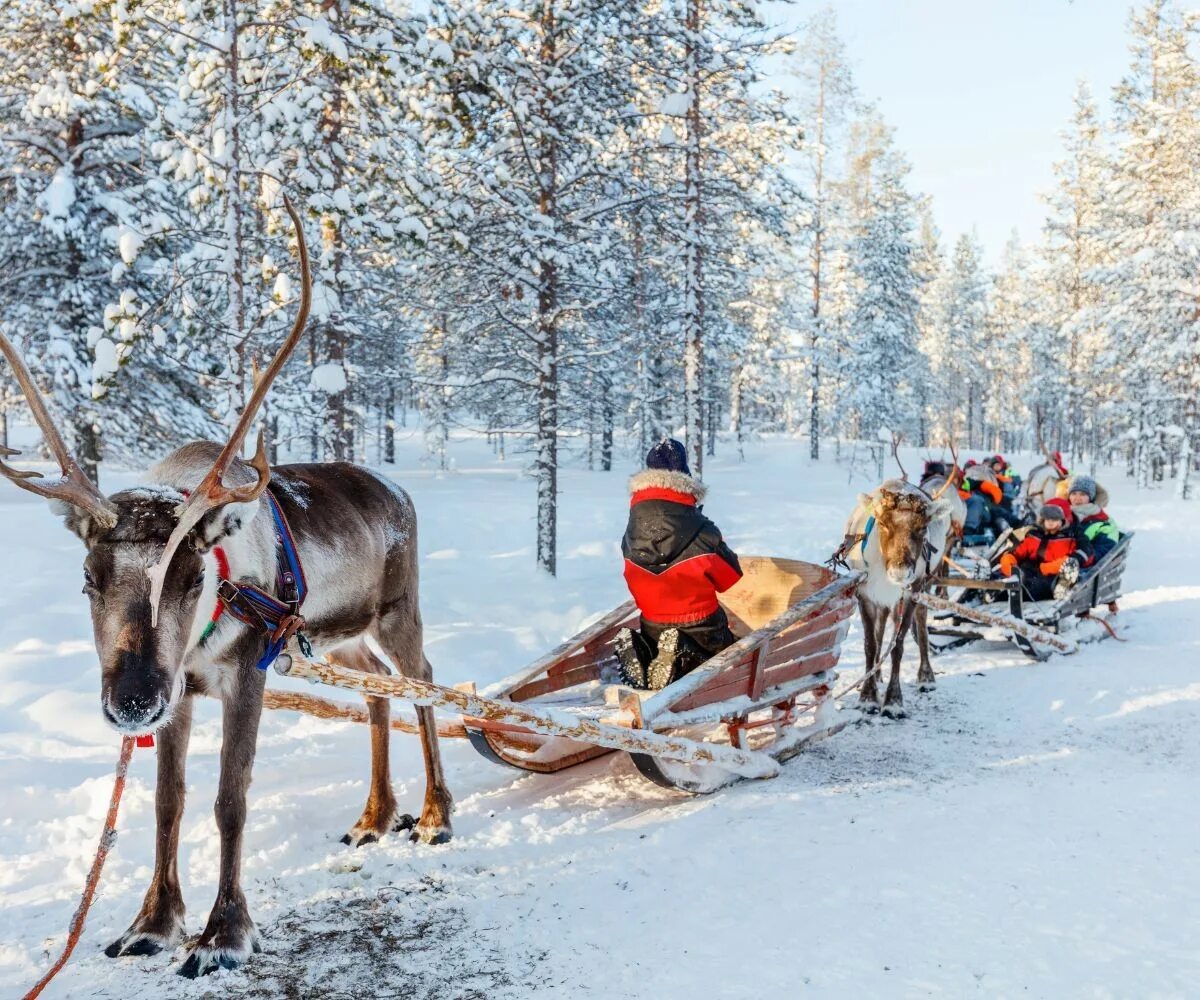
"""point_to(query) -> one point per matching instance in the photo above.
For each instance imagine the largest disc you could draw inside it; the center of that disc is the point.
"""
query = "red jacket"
(675, 559)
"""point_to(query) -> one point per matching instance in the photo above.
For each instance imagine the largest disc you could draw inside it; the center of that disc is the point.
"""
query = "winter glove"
(1053, 566)
(1008, 564)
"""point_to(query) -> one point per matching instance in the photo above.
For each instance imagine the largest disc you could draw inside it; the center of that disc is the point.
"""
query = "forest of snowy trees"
(573, 226)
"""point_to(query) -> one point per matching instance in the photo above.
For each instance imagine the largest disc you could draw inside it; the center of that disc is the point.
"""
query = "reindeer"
(898, 535)
(939, 482)
(162, 558)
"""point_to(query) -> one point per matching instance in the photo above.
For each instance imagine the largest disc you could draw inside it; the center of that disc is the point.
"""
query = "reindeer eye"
(89, 581)
(199, 581)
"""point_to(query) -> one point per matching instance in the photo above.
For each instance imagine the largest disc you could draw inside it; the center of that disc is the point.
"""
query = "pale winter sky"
(978, 92)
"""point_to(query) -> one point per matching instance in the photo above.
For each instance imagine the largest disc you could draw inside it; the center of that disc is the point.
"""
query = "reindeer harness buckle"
(278, 617)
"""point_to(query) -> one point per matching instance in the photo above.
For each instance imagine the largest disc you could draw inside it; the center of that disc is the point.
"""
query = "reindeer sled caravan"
(220, 568)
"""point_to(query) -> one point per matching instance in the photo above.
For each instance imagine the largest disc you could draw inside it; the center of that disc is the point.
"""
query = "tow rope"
(278, 617)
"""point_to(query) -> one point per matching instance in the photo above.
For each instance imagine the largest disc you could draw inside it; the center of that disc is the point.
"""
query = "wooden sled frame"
(747, 697)
(1099, 587)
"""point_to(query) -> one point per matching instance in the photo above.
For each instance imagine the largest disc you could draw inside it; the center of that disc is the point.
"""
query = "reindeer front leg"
(874, 622)
(893, 699)
(230, 935)
(159, 923)
(926, 679)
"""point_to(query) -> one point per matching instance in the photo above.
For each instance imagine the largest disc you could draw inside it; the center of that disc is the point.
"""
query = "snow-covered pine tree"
(538, 100)
(829, 100)
(76, 204)
(883, 324)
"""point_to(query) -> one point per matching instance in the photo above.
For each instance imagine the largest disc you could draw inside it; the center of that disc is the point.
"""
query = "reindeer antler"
(212, 493)
(897, 437)
(73, 486)
(952, 477)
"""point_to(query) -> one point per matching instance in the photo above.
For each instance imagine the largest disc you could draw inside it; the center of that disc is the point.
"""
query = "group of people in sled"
(1073, 532)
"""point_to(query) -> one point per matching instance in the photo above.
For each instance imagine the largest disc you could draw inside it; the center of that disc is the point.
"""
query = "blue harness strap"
(867, 534)
(279, 617)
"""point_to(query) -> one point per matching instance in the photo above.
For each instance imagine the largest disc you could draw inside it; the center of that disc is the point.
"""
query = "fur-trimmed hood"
(663, 479)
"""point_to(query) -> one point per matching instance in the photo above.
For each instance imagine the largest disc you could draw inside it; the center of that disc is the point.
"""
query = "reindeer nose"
(134, 711)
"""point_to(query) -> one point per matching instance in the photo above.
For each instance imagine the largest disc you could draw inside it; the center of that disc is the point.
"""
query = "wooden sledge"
(1035, 627)
(791, 617)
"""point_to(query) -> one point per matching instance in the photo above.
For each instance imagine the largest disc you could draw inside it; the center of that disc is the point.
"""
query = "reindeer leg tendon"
(400, 634)
(893, 699)
(926, 679)
(230, 936)
(379, 814)
(159, 923)
(868, 695)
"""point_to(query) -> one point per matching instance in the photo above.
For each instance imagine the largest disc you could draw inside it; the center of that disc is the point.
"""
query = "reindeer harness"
(278, 617)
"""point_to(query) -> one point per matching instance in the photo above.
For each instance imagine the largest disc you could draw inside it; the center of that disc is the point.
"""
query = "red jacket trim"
(659, 493)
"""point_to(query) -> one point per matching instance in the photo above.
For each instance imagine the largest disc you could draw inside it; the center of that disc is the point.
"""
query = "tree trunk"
(546, 461)
(607, 417)
(235, 250)
(693, 317)
(389, 427)
(87, 447)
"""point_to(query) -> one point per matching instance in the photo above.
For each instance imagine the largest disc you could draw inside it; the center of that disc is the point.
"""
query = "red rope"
(107, 839)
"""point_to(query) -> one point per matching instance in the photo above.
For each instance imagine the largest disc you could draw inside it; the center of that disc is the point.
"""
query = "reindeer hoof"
(894, 710)
(369, 830)
(135, 945)
(203, 961)
(868, 706)
(926, 686)
(430, 834)
(148, 936)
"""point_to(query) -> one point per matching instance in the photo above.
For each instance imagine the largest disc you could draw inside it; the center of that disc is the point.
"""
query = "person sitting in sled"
(1088, 500)
(675, 565)
(1050, 556)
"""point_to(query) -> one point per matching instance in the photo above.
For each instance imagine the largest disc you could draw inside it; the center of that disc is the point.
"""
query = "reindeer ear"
(940, 508)
(218, 526)
(81, 524)
(866, 500)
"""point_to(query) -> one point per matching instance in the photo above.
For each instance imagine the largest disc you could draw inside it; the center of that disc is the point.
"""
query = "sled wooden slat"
(706, 672)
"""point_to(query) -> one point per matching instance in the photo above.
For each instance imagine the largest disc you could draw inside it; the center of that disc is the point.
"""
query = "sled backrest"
(769, 587)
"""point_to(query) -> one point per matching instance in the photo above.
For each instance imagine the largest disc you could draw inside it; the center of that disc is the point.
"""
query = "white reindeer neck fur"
(664, 479)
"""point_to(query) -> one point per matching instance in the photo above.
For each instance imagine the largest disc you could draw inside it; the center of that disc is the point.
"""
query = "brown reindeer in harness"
(191, 591)
(898, 535)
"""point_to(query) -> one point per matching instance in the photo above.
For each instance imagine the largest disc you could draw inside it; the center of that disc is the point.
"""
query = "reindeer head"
(143, 583)
(903, 517)
(141, 676)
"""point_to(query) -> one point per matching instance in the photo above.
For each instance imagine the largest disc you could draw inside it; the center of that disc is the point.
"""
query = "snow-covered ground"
(1030, 830)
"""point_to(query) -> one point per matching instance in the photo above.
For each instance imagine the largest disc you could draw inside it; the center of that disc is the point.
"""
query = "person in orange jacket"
(1049, 557)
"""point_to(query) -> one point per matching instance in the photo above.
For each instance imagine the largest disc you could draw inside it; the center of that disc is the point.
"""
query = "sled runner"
(1035, 626)
(791, 618)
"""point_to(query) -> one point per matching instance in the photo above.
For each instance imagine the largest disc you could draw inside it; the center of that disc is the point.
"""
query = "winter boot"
(1068, 576)
(662, 667)
(632, 669)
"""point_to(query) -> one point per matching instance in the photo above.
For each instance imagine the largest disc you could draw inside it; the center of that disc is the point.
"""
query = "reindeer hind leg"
(379, 814)
(399, 633)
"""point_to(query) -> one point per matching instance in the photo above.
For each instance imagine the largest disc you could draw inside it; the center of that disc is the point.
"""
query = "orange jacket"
(1047, 551)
